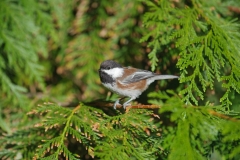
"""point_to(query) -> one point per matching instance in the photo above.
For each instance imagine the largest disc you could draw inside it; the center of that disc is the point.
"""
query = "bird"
(127, 81)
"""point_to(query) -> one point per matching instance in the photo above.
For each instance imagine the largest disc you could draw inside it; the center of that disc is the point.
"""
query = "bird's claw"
(125, 105)
(116, 103)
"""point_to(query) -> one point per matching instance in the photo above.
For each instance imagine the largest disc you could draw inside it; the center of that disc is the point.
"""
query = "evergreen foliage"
(50, 52)
(207, 45)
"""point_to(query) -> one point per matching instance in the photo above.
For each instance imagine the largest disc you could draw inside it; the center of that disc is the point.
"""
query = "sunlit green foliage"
(208, 46)
(199, 130)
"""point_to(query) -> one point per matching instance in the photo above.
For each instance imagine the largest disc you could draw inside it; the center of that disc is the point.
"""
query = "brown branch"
(143, 106)
(212, 112)
(101, 104)
(234, 9)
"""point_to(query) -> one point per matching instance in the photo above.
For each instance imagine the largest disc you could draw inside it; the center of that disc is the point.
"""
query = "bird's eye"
(108, 68)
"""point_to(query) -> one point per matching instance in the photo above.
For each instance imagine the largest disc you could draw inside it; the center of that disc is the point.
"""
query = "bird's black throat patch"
(105, 78)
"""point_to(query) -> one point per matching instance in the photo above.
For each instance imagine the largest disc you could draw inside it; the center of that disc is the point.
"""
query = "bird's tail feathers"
(159, 77)
(165, 77)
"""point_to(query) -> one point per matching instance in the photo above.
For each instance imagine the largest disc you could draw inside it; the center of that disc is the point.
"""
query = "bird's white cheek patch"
(114, 72)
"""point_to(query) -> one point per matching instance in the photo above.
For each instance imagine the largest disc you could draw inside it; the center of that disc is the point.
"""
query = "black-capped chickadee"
(127, 81)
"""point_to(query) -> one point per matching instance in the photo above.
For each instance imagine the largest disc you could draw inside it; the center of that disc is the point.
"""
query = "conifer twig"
(99, 103)
(212, 112)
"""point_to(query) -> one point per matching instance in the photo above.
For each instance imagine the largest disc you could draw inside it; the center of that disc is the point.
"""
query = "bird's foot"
(126, 104)
(116, 103)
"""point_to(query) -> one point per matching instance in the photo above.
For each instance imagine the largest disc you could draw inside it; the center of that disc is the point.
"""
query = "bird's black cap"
(109, 64)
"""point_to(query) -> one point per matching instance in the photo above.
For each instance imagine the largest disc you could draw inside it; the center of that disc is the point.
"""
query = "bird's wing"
(137, 76)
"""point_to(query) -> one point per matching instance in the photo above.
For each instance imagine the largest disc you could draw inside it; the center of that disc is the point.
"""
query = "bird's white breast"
(134, 93)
